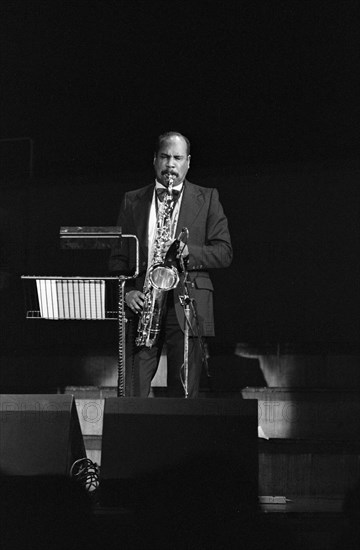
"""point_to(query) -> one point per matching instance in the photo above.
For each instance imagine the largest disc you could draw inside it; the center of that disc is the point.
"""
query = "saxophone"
(161, 276)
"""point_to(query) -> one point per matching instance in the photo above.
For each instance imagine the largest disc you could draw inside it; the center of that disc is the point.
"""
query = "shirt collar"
(159, 185)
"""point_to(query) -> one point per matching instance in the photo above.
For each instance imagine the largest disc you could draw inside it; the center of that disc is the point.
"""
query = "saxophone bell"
(163, 277)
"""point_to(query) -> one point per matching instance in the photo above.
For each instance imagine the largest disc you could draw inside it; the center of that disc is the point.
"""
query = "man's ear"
(189, 157)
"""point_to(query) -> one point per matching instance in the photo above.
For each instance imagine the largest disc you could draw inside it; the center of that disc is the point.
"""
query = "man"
(208, 246)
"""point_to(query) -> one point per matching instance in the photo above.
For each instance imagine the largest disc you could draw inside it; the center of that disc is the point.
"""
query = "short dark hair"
(167, 135)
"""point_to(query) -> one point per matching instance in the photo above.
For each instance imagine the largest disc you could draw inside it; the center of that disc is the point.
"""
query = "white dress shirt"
(155, 203)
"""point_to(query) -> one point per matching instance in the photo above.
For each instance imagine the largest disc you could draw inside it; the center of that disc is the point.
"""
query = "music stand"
(83, 298)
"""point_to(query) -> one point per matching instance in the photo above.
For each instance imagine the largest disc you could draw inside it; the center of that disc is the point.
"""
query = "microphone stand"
(185, 301)
(189, 305)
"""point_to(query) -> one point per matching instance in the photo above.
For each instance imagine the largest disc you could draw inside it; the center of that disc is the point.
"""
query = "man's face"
(172, 158)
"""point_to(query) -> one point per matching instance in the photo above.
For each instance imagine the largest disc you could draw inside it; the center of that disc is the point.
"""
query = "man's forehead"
(175, 143)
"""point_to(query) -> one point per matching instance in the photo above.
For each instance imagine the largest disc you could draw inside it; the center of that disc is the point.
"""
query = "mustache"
(169, 173)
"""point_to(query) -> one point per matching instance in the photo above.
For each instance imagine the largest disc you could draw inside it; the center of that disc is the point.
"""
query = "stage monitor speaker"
(39, 435)
(144, 437)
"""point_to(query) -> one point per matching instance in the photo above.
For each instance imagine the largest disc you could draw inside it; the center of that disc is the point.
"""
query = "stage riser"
(289, 473)
(307, 414)
(322, 465)
(302, 472)
(282, 414)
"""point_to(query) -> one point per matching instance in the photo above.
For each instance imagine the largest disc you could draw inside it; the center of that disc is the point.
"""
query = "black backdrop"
(266, 92)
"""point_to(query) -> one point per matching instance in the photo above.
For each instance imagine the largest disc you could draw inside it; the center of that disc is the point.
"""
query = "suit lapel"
(142, 206)
(191, 204)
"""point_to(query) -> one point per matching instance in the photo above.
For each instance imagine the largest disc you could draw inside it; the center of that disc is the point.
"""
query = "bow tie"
(162, 192)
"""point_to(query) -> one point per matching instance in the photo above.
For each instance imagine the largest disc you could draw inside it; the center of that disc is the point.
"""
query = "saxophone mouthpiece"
(170, 178)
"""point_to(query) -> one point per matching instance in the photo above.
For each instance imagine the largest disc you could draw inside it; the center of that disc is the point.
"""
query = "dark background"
(94, 82)
(268, 94)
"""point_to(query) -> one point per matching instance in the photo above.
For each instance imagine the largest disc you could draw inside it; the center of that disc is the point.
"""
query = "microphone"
(183, 235)
(172, 254)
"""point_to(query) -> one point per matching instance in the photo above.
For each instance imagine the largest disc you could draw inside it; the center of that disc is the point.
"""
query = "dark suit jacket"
(209, 244)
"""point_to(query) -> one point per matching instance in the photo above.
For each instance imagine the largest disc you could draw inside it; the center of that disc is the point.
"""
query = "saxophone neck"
(170, 178)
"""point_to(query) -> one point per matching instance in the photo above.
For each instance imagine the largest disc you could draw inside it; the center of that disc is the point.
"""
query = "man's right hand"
(135, 300)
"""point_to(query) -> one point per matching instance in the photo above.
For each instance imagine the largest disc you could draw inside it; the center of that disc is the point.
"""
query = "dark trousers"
(146, 360)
